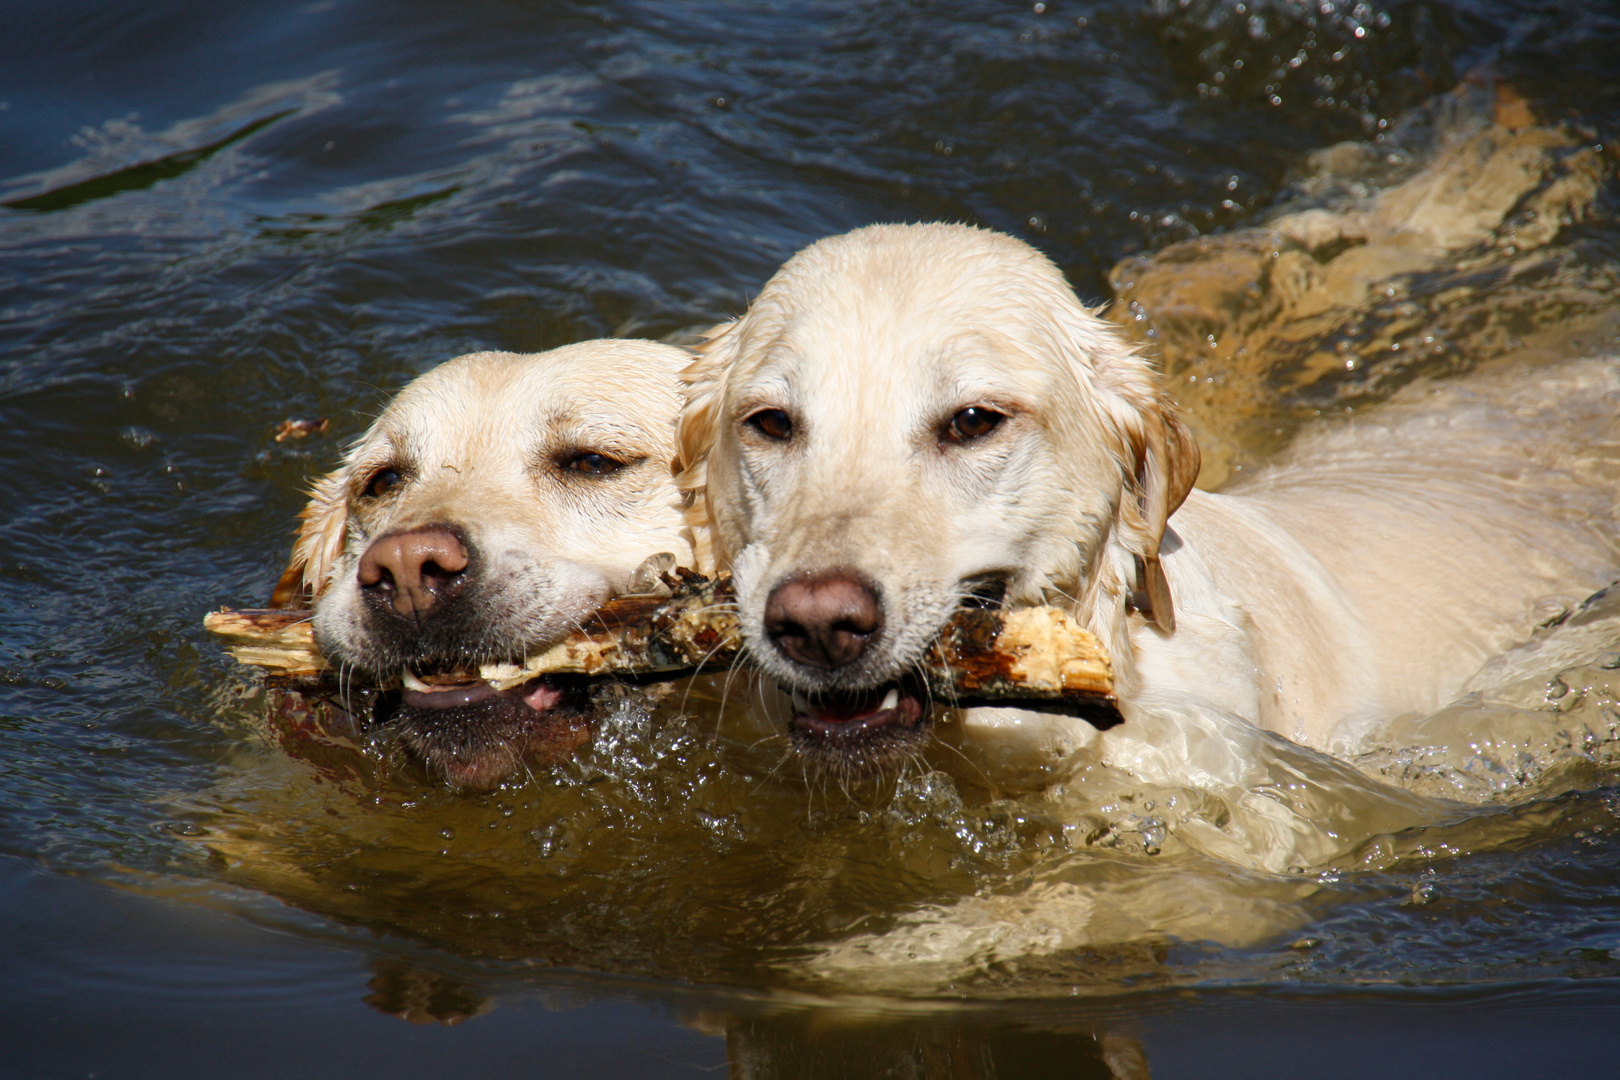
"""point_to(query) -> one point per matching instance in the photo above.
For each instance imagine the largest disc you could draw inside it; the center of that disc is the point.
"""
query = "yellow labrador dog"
(498, 500)
(909, 418)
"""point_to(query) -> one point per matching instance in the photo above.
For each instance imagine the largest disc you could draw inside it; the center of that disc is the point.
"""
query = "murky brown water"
(215, 220)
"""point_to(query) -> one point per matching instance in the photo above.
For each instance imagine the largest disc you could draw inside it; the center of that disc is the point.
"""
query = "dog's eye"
(592, 463)
(382, 482)
(974, 422)
(773, 424)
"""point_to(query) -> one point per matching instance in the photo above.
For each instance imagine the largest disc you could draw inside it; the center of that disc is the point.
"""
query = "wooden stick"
(1036, 657)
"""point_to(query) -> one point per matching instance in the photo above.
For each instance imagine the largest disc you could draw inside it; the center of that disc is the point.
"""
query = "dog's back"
(1431, 534)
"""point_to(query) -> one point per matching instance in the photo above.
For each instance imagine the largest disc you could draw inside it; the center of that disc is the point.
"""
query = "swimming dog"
(908, 418)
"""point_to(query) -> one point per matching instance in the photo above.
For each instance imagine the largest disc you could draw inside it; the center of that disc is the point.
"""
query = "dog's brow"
(620, 434)
(415, 443)
(766, 389)
(374, 454)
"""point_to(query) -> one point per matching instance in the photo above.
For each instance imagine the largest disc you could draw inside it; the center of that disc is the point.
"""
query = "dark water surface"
(216, 217)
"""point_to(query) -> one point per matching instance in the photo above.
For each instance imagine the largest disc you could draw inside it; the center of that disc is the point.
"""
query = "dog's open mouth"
(852, 732)
(473, 735)
(456, 688)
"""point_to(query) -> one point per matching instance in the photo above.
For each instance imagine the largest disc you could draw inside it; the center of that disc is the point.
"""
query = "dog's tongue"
(441, 692)
(422, 695)
(541, 696)
(851, 712)
(840, 709)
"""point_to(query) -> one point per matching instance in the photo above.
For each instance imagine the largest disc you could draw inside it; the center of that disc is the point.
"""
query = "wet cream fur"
(1366, 578)
(479, 443)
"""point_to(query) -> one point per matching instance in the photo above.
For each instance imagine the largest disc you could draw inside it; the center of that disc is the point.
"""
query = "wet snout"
(413, 570)
(823, 620)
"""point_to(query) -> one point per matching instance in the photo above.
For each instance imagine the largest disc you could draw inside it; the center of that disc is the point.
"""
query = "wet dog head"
(907, 418)
(497, 501)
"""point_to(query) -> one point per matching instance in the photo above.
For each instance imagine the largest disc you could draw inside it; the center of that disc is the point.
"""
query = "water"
(221, 218)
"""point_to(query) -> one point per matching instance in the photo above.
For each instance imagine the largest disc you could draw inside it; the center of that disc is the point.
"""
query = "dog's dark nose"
(414, 569)
(823, 620)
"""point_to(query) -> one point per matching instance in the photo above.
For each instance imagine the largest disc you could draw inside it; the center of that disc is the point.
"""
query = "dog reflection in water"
(819, 1045)
(806, 1046)
(497, 501)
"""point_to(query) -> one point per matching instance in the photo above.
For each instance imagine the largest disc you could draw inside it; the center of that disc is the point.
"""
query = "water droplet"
(1153, 832)
(138, 437)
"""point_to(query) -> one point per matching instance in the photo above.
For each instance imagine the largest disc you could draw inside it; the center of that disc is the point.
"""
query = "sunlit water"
(217, 219)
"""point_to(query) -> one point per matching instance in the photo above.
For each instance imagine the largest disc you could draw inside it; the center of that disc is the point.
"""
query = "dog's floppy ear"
(704, 387)
(1156, 452)
(1165, 460)
(319, 543)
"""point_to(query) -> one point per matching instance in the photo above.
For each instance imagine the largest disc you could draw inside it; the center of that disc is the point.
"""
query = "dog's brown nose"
(823, 620)
(414, 569)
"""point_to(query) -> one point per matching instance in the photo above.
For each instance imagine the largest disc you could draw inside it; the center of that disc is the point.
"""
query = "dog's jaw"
(475, 737)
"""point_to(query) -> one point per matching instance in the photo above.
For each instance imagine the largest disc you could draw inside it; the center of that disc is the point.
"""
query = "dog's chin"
(475, 737)
(857, 733)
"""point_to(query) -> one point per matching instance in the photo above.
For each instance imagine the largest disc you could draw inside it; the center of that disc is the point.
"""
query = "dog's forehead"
(620, 390)
(896, 320)
(601, 398)
(915, 270)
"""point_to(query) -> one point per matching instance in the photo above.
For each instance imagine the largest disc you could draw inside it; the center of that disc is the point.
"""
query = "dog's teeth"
(801, 704)
(890, 700)
(411, 682)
